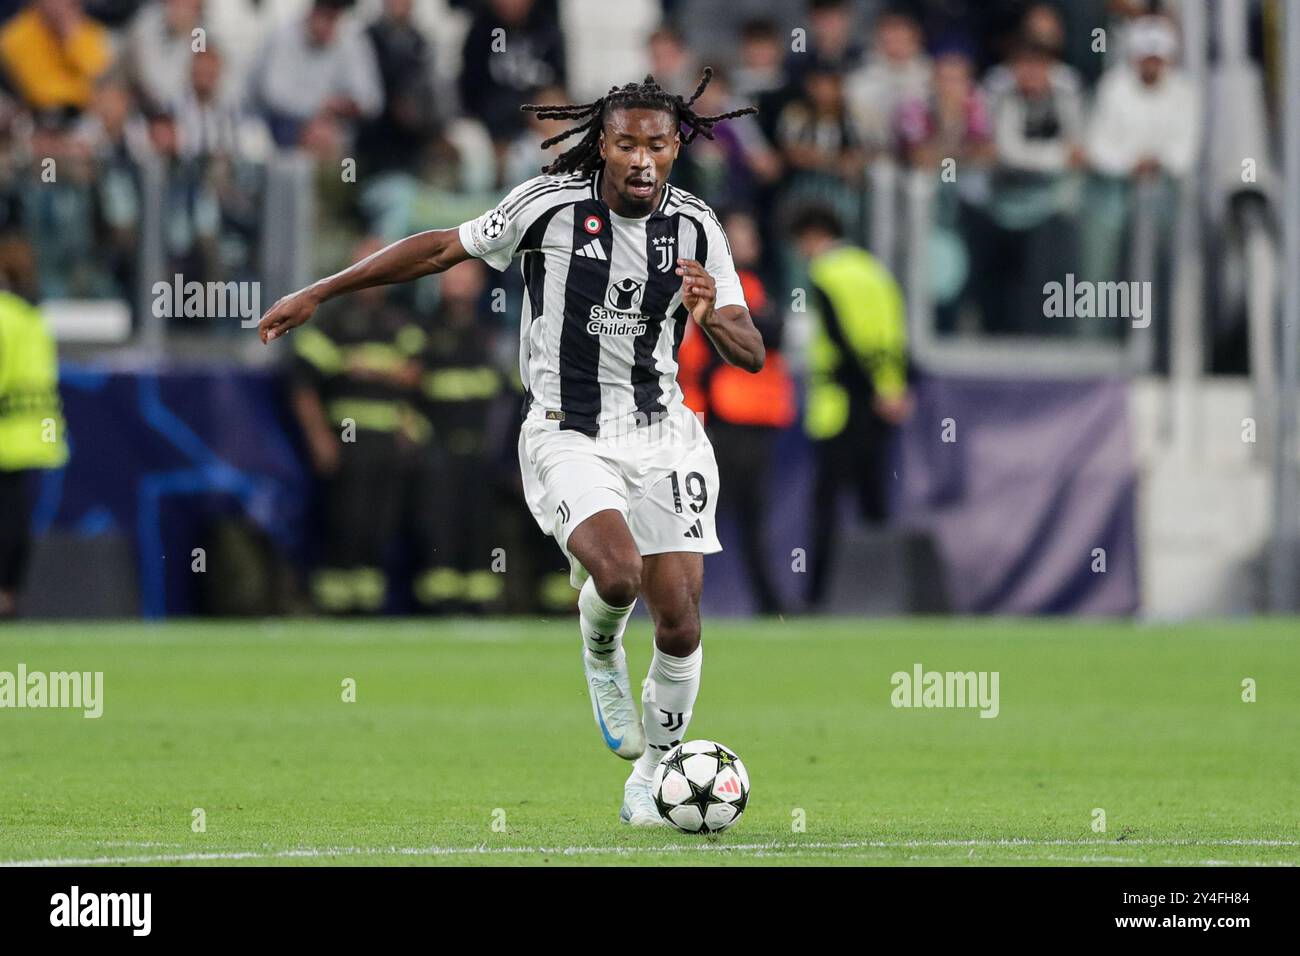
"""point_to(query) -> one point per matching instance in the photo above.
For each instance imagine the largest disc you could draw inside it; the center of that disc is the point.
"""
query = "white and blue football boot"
(613, 705)
(639, 808)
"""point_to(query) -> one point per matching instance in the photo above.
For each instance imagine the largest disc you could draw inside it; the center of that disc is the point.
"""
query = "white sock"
(602, 624)
(667, 699)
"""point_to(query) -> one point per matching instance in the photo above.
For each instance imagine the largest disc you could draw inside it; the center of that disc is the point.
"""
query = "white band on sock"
(602, 624)
(678, 668)
(667, 700)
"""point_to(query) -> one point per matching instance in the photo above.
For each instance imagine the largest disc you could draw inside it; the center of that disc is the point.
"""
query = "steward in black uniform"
(454, 494)
(355, 375)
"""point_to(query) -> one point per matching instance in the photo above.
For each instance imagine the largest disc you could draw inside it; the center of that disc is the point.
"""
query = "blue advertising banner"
(1027, 489)
(159, 454)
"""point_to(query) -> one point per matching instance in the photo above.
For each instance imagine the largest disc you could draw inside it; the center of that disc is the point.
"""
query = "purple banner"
(1029, 488)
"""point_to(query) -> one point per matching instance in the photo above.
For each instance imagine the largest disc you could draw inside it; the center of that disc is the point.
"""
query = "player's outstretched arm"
(420, 255)
(731, 329)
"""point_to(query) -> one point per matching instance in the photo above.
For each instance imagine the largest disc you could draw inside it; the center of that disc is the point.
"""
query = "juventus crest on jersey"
(603, 314)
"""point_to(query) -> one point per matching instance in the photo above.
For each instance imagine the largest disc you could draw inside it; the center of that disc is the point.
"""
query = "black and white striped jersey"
(603, 314)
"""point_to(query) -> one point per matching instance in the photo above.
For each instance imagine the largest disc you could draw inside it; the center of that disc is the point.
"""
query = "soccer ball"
(701, 787)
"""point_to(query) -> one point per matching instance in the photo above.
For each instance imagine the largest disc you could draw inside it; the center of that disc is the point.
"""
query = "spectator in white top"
(1041, 26)
(210, 124)
(315, 78)
(1038, 117)
(524, 158)
(1147, 116)
(759, 79)
(671, 62)
(897, 72)
(159, 43)
(761, 57)
(241, 27)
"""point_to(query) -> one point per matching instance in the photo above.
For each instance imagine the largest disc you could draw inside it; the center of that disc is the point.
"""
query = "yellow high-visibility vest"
(31, 413)
(870, 330)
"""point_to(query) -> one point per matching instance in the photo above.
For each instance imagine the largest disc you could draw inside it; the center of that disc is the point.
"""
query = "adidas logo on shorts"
(695, 531)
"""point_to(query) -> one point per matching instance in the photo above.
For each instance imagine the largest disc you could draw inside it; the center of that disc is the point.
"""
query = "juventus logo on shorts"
(564, 513)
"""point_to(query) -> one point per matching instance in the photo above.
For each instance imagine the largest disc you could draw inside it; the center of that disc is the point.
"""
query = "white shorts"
(662, 478)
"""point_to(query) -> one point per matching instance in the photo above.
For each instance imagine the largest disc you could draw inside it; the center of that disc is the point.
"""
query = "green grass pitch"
(460, 725)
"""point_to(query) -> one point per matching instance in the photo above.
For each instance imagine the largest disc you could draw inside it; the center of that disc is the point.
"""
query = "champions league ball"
(701, 787)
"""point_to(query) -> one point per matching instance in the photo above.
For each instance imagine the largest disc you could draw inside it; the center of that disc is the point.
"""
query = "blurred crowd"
(421, 97)
(1023, 111)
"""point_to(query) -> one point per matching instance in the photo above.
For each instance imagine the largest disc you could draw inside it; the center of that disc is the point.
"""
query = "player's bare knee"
(678, 636)
(618, 579)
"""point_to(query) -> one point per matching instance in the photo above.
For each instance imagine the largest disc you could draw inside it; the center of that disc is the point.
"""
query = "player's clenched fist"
(288, 313)
(698, 288)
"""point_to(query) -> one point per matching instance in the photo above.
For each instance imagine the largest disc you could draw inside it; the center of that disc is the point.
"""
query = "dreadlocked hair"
(585, 156)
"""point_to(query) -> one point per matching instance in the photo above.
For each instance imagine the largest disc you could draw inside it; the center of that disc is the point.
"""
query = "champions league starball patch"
(494, 224)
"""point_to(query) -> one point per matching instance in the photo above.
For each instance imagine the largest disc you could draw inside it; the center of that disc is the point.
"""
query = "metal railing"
(1067, 355)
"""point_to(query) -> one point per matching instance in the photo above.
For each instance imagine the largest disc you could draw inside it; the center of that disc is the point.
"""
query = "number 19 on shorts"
(696, 490)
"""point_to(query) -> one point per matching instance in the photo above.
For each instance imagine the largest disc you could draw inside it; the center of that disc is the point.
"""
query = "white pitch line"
(484, 850)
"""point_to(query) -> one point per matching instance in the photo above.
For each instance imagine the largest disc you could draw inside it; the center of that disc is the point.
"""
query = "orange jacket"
(710, 387)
